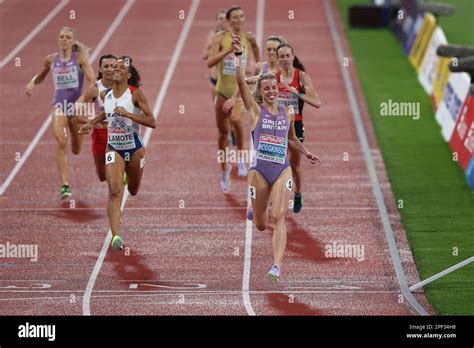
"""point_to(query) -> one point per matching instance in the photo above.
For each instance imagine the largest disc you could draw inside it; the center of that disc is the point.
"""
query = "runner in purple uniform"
(68, 68)
(269, 176)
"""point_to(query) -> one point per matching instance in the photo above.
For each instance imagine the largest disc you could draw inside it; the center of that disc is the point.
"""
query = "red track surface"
(190, 260)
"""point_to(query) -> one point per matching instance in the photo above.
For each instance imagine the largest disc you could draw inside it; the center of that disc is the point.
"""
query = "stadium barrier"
(462, 139)
(422, 40)
(427, 72)
(454, 97)
(442, 72)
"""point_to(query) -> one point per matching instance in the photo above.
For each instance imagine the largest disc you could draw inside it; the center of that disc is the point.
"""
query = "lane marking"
(248, 223)
(47, 122)
(171, 208)
(184, 287)
(146, 138)
(395, 258)
(208, 292)
(34, 32)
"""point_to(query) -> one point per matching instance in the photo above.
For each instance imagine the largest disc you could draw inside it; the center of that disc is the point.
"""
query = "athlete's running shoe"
(274, 274)
(242, 169)
(65, 192)
(250, 214)
(225, 179)
(297, 202)
(117, 243)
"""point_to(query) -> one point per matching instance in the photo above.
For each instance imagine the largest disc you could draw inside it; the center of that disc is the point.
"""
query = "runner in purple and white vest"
(269, 177)
(68, 67)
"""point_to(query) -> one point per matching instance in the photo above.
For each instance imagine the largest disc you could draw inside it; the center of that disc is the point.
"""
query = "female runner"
(125, 108)
(269, 176)
(69, 67)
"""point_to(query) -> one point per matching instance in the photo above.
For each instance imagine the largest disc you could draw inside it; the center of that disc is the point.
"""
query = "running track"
(186, 239)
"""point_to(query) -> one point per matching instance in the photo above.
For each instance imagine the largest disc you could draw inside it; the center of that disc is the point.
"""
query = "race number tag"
(109, 157)
(252, 192)
(289, 184)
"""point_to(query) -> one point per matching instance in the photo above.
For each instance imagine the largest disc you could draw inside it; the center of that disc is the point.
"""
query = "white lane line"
(402, 281)
(33, 33)
(157, 107)
(47, 122)
(205, 292)
(173, 208)
(248, 223)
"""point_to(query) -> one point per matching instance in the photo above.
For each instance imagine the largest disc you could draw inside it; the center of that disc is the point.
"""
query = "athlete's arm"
(208, 45)
(258, 69)
(295, 144)
(85, 128)
(254, 46)
(139, 100)
(38, 78)
(86, 68)
(249, 102)
(89, 96)
(215, 56)
(310, 96)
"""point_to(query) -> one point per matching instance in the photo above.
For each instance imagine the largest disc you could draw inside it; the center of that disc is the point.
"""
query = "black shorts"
(299, 130)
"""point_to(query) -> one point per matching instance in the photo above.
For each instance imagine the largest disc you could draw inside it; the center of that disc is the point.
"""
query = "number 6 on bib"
(109, 157)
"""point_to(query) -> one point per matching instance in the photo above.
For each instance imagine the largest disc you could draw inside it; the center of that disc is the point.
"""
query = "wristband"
(238, 53)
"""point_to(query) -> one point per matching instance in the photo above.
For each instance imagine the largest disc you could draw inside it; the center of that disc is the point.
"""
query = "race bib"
(229, 63)
(66, 77)
(272, 148)
(120, 134)
(289, 100)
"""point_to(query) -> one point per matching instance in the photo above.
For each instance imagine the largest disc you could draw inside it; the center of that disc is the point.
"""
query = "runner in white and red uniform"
(295, 88)
(92, 95)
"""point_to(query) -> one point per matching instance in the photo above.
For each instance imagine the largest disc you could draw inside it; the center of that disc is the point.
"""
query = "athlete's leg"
(259, 192)
(114, 169)
(295, 162)
(99, 162)
(223, 127)
(134, 170)
(76, 138)
(280, 195)
(60, 130)
(99, 145)
(236, 123)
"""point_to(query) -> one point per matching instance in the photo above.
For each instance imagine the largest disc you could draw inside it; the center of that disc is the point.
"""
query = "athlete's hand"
(313, 158)
(121, 111)
(228, 105)
(289, 88)
(85, 128)
(237, 46)
(29, 87)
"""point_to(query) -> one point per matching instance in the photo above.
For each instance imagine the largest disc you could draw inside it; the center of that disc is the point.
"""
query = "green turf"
(438, 206)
